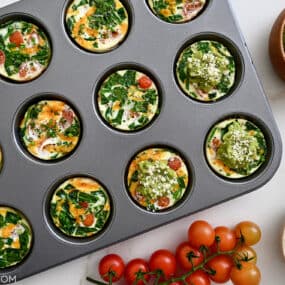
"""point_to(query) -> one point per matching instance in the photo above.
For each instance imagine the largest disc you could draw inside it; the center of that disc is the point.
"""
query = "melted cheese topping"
(25, 51)
(206, 70)
(177, 11)
(97, 28)
(80, 207)
(15, 237)
(157, 179)
(128, 100)
(50, 129)
(239, 151)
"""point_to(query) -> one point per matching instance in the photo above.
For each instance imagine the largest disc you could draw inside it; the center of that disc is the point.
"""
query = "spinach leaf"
(12, 218)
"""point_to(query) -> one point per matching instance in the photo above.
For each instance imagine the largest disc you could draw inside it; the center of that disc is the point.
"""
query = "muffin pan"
(103, 153)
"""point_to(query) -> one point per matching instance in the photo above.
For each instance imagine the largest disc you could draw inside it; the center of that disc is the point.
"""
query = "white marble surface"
(265, 206)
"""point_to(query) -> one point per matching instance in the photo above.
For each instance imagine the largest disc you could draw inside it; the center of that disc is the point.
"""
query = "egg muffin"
(96, 25)
(15, 237)
(206, 70)
(80, 207)
(177, 11)
(25, 50)
(157, 179)
(50, 129)
(236, 148)
(128, 100)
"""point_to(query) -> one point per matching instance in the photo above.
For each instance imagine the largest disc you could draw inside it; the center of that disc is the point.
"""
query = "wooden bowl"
(276, 45)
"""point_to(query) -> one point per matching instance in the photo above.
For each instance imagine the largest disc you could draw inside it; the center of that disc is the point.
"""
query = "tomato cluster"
(210, 254)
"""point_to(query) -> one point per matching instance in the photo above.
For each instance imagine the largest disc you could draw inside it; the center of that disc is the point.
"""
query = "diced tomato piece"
(23, 70)
(145, 82)
(174, 163)
(89, 220)
(16, 38)
(83, 205)
(2, 57)
(163, 201)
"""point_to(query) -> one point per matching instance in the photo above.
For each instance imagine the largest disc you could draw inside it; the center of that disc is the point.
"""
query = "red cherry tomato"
(174, 163)
(198, 278)
(133, 269)
(163, 260)
(89, 220)
(163, 201)
(2, 57)
(145, 82)
(227, 239)
(111, 266)
(16, 38)
(222, 266)
(185, 253)
(201, 233)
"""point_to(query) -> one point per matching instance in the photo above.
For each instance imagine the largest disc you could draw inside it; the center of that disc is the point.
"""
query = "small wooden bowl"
(276, 45)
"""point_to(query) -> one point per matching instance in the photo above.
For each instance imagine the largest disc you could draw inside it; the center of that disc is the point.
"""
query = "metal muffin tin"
(104, 153)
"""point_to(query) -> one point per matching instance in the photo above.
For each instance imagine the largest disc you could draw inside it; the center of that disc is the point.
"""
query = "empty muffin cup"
(50, 130)
(15, 237)
(80, 207)
(97, 26)
(206, 70)
(157, 179)
(177, 11)
(236, 148)
(128, 100)
(25, 50)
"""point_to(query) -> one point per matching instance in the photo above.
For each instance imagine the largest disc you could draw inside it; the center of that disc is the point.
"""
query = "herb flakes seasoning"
(128, 100)
(97, 25)
(80, 207)
(236, 148)
(157, 179)
(177, 11)
(206, 70)
(25, 51)
(15, 237)
(50, 129)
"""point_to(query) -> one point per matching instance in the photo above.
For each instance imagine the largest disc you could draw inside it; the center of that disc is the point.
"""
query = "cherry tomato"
(133, 268)
(174, 163)
(201, 233)
(227, 238)
(111, 266)
(222, 266)
(248, 274)
(145, 82)
(2, 57)
(163, 260)
(249, 231)
(246, 253)
(198, 278)
(16, 38)
(163, 201)
(89, 220)
(83, 205)
(185, 253)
